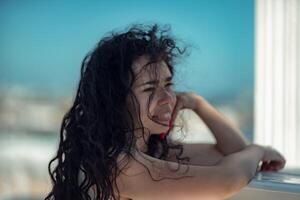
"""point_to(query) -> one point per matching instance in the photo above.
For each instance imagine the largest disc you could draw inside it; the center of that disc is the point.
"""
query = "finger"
(279, 167)
(278, 164)
(274, 166)
(267, 168)
(176, 110)
(270, 168)
(264, 165)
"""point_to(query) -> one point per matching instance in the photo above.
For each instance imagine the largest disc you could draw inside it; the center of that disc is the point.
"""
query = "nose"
(165, 97)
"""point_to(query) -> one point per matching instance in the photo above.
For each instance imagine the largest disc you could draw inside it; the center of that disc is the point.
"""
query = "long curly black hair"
(99, 126)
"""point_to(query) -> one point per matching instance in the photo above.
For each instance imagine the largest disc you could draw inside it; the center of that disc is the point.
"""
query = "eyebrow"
(155, 81)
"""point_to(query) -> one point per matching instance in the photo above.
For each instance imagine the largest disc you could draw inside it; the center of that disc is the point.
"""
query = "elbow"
(236, 184)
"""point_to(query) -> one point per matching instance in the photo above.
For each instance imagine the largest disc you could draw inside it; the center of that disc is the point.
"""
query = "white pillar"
(277, 77)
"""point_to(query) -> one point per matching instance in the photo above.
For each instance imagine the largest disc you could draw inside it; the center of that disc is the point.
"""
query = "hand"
(272, 160)
(188, 100)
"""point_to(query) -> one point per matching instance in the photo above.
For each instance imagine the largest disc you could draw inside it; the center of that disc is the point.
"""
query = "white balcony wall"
(277, 77)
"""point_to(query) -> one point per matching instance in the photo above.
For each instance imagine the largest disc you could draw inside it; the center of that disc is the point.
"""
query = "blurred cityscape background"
(42, 44)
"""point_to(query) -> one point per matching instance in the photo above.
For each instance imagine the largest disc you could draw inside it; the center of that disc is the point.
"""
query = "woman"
(113, 140)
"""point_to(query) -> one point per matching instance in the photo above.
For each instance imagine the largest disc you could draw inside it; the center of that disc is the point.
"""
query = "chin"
(157, 129)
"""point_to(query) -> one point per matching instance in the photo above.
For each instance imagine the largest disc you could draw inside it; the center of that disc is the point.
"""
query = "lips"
(163, 113)
(163, 116)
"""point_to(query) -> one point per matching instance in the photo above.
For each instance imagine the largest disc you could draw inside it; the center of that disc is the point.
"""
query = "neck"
(141, 141)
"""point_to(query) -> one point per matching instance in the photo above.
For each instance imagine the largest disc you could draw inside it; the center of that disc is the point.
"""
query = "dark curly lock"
(99, 127)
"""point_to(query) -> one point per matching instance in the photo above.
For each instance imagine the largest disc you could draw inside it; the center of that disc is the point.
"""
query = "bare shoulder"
(145, 177)
(143, 164)
(205, 154)
(140, 173)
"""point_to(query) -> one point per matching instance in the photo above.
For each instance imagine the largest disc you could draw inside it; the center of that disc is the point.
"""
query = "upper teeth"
(167, 115)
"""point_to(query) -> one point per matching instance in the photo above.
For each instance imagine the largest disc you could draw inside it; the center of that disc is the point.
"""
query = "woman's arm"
(202, 154)
(229, 138)
(222, 181)
(247, 159)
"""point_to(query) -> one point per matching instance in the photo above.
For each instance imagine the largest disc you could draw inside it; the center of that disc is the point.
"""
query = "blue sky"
(42, 43)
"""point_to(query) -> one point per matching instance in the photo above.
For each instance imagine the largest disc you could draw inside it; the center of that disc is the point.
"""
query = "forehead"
(153, 71)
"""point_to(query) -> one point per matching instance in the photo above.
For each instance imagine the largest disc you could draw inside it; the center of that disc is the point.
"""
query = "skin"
(163, 101)
(166, 99)
(219, 176)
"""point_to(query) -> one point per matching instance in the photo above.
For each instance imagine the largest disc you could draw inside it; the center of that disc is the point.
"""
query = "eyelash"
(152, 88)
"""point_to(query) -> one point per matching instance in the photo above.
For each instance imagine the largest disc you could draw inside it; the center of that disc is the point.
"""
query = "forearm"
(229, 138)
(244, 164)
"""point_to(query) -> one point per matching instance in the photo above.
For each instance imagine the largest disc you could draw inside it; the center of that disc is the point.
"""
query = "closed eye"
(169, 84)
(152, 88)
(149, 89)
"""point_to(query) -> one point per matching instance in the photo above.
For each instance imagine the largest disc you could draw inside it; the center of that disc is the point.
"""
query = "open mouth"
(164, 117)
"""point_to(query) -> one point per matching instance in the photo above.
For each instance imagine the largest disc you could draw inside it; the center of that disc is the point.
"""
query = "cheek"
(148, 110)
(138, 106)
(145, 109)
(144, 112)
(156, 99)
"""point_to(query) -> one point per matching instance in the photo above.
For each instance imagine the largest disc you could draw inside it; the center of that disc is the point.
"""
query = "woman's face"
(156, 80)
